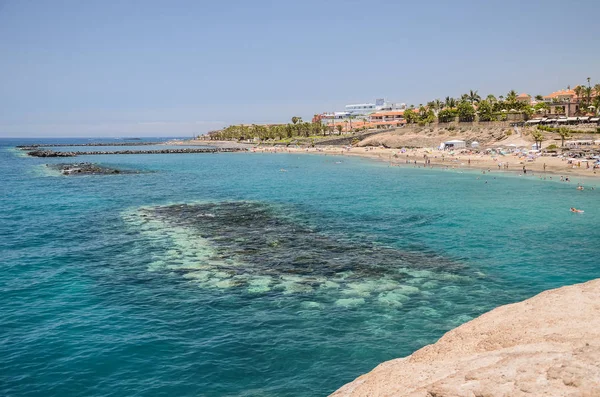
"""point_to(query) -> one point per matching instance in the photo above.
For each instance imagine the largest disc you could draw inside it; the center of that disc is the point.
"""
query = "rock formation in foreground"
(548, 345)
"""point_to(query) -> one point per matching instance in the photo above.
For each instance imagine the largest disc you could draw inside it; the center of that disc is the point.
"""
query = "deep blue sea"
(248, 274)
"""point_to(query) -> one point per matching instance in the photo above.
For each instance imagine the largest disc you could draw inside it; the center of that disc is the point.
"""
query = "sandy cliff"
(548, 345)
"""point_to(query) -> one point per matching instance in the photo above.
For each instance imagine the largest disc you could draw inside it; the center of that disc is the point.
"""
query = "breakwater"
(40, 145)
(51, 153)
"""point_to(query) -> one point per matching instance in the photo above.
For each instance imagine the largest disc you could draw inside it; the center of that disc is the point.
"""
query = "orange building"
(564, 102)
(524, 98)
(394, 115)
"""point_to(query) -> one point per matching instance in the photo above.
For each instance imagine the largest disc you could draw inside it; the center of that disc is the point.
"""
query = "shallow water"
(221, 275)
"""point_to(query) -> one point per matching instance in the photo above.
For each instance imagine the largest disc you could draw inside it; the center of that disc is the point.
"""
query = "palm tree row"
(297, 128)
(589, 97)
(468, 105)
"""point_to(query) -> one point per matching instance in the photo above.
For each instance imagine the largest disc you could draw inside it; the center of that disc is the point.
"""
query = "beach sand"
(555, 166)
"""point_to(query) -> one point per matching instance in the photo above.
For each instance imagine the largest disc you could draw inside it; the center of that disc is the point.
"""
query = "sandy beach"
(542, 166)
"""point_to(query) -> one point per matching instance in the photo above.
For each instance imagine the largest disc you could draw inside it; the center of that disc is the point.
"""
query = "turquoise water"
(221, 275)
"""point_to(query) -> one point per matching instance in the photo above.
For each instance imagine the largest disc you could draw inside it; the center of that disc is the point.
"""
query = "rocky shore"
(87, 169)
(51, 153)
(548, 345)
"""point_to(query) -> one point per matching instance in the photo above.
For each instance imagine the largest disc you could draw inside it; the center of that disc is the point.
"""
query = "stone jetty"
(41, 145)
(51, 153)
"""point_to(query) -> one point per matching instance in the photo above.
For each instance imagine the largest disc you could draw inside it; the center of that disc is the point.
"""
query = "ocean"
(245, 274)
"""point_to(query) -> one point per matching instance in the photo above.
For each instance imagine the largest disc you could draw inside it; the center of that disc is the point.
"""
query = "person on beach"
(544, 167)
(524, 170)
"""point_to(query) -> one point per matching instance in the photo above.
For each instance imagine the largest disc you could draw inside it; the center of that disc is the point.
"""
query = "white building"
(453, 144)
(364, 109)
(361, 109)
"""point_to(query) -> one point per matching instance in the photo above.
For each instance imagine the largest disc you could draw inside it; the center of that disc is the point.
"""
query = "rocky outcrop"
(50, 153)
(87, 169)
(548, 345)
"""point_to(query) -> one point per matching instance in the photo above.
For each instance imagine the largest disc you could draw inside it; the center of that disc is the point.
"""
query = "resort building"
(361, 109)
(563, 102)
(524, 98)
(387, 116)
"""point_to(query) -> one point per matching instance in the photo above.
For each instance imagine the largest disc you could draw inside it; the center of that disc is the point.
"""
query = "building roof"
(388, 122)
(556, 94)
(524, 95)
(389, 113)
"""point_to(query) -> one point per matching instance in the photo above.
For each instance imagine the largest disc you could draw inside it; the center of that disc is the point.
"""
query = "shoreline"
(555, 167)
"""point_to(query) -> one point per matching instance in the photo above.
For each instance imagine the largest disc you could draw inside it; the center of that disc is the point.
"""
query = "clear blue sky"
(142, 68)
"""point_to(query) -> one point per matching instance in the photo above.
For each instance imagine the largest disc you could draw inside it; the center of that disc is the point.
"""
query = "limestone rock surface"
(548, 345)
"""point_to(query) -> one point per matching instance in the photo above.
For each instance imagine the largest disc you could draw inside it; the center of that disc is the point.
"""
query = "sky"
(178, 68)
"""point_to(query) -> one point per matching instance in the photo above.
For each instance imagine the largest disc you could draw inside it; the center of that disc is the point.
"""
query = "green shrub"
(552, 147)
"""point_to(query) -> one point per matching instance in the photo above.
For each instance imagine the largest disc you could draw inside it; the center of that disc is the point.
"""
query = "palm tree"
(564, 133)
(511, 97)
(538, 136)
(588, 94)
(450, 102)
(473, 96)
(491, 99)
(539, 98)
(295, 120)
(438, 104)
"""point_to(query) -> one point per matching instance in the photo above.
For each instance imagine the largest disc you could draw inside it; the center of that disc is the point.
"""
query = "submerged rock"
(87, 169)
(278, 253)
(548, 345)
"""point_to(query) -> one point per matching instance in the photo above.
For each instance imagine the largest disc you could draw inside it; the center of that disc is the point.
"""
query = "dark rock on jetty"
(87, 169)
(39, 145)
(50, 153)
